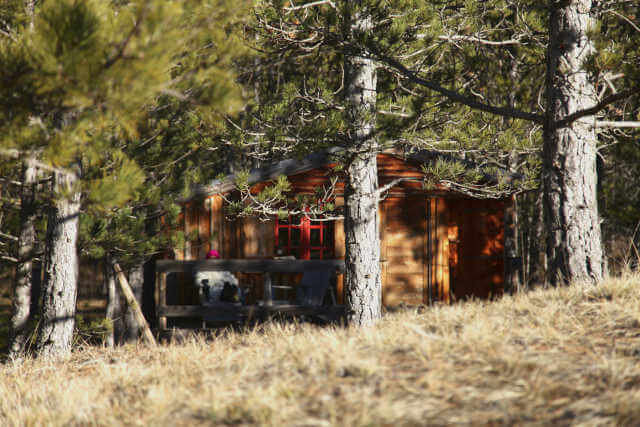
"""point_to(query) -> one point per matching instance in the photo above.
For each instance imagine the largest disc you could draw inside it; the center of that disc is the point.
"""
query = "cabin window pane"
(283, 237)
(316, 233)
(296, 233)
(305, 239)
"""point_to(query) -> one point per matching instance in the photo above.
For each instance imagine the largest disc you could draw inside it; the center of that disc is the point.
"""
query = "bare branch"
(393, 183)
(308, 5)
(17, 154)
(479, 40)
(457, 97)
(629, 21)
(614, 124)
(11, 181)
(8, 237)
(596, 108)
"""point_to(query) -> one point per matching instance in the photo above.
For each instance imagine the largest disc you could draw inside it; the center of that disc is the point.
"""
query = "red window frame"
(303, 247)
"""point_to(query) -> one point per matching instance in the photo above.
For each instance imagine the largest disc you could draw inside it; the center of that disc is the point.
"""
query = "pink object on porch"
(213, 254)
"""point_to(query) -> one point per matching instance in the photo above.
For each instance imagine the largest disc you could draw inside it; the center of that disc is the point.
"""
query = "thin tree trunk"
(59, 289)
(114, 305)
(362, 258)
(574, 246)
(537, 265)
(133, 330)
(130, 298)
(512, 263)
(24, 268)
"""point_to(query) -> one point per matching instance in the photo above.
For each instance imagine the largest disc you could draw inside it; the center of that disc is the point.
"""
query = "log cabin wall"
(434, 246)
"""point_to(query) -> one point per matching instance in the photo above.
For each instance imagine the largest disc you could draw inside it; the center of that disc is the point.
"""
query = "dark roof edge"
(284, 167)
(315, 160)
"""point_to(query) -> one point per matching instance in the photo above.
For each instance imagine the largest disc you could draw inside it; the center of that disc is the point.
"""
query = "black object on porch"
(314, 285)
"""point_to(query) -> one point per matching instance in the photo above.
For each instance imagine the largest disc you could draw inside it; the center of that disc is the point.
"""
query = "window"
(304, 239)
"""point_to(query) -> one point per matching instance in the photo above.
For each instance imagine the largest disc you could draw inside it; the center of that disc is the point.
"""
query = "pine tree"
(70, 90)
(562, 33)
(316, 85)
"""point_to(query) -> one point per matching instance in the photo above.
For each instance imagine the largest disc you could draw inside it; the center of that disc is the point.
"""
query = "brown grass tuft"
(560, 356)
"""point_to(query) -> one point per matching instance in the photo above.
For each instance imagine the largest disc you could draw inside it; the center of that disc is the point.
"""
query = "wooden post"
(443, 250)
(267, 291)
(133, 304)
(161, 295)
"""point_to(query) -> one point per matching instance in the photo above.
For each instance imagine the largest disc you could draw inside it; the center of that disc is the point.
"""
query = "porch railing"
(265, 266)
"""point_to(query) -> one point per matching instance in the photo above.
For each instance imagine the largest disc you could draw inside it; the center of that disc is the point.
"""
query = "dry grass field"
(559, 356)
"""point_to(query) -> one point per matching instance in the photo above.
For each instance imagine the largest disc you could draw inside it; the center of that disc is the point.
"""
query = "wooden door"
(404, 248)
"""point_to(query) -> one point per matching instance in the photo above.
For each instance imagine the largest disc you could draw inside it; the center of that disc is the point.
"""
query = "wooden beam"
(251, 310)
(248, 265)
(267, 290)
(161, 287)
(443, 250)
(135, 307)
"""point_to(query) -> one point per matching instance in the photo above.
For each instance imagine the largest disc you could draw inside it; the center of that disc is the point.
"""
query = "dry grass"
(563, 357)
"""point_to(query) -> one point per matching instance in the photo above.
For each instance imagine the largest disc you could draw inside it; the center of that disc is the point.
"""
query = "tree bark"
(24, 269)
(536, 255)
(362, 257)
(130, 298)
(59, 289)
(114, 305)
(512, 262)
(569, 153)
(132, 329)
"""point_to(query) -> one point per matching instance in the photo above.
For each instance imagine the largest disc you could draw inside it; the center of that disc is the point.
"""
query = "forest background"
(111, 111)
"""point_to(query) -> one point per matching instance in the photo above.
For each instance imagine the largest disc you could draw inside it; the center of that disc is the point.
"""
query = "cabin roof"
(319, 159)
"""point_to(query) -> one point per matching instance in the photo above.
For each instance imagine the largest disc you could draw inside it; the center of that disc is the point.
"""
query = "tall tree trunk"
(24, 271)
(569, 165)
(114, 305)
(362, 258)
(60, 285)
(133, 330)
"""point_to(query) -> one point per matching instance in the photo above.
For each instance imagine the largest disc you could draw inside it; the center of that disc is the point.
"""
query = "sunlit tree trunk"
(59, 289)
(24, 269)
(569, 154)
(362, 258)
(133, 330)
(114, 304)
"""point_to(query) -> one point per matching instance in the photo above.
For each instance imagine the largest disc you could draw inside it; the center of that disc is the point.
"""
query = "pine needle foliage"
(130, 96)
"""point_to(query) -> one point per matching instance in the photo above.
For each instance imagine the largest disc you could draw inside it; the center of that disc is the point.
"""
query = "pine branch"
(457, 97)
(614, 124)
(593, 110)
(123, 45)
(17, 154)
(8, 236)
(308, 5)
(393, 183)
(11, 181)
(629, 21)
(479, 40)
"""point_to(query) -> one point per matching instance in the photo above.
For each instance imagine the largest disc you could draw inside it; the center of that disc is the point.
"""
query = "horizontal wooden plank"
(250, 310)
(403, 283)
(390, 299)
(406, 267)
(249, 265)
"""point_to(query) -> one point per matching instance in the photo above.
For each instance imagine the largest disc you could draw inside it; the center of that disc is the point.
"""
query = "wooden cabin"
(436, 245)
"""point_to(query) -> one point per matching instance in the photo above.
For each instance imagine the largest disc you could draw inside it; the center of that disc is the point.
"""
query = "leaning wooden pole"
(133, 304)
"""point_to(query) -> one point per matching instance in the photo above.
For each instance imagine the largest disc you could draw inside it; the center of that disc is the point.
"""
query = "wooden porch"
(232, 312)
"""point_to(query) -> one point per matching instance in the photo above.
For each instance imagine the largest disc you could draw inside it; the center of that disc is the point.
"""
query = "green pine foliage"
(297, 78)
(130, 95)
